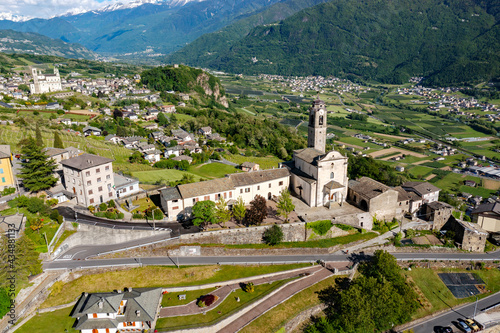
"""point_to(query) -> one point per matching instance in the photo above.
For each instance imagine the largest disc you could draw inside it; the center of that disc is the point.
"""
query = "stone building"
(380, 200)
(439, 213)
(44, 83)
(470, 235)
(90, 178)
(318, 178)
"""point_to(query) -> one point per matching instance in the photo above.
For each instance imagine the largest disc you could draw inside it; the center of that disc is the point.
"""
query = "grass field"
(264, 162)
(161, 175)
(227, 307)
(56, 321)
(212, 170)
(272, 320)
(172, 299)
(420, 171)
(157, 276)
(439, 296)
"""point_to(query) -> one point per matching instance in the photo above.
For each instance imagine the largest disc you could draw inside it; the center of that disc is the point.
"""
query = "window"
(175, 208)
(99, 179)
(207, 197)
(110, 194)
(331, 175)
(98, 170)
(91, 201)
(131, 188)
(241, 191)
(1, 170)
(230, 194)
(89, 182)
(280, 183)
(194, 201)
(106, 168)
(269, 185)
(247, 190)
(91, 192)
(218, 196)
(258, 188)
(175, 200)
(108, 176)
(100, 188)
(87, 173)
(225, 195)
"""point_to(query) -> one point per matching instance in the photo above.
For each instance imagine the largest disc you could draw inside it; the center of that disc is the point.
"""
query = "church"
(319, 178)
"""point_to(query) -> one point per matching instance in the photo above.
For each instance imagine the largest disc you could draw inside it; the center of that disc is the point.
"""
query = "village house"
(205, 130)
(249, 166)
(178, 201)
(125, 186)
(487, 216)
(189, 159)
(6, 173)
(89, 130)
(90, 178)
(470, 236)
(133, 310)
(168, 108)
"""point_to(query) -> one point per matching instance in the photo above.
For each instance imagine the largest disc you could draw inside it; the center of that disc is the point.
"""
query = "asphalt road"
(198, 260)
(450, 317)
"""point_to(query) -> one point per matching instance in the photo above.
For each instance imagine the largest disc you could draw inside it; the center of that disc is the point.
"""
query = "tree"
(221, 212)
(38, 135)
(37, 169)
(57, 141)
(273, 235)
(285, 205)
(4, 302)
(239, 210)
(258, 210)
(23, 87)
(204, 213)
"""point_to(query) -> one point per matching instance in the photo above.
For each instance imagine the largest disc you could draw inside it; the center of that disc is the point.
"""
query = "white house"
(125, 186)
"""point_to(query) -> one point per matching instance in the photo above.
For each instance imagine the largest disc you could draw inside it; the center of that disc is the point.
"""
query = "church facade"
(44, 83)
(319, 178)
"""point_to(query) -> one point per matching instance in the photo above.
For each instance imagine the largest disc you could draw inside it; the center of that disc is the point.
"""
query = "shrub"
(249, 287)
(158, 215)
(320, 227)
(110, 215)
(273, 235)
(103, 207)
(8, 190)
(52, 202)
(137, 216)
(120, 216)
(36, 205)
(343, 227)
(54, 214)
(91, 209)
(111, 203)
(207, 300)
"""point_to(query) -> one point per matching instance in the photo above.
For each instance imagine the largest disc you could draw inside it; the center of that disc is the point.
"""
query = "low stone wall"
(304, 316)
(293, 232)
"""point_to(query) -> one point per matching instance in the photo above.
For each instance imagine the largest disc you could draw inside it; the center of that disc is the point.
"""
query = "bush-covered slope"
(449, 41)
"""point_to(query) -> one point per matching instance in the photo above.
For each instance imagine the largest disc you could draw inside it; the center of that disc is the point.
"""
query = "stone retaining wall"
(293, 232)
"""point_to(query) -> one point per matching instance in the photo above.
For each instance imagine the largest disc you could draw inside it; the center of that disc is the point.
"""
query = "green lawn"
(213, 170)
(162, 175)
(172, 299)
(420, 171)
(56, 321)
(158, 276)
(65, 234)
(485, 193)
(321, 243)
(439, 296)
(226, 308)
(264, 162)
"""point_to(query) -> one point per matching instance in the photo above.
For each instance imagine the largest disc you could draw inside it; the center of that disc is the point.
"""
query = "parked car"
(472, 324)
(446, 329)
(463, 326)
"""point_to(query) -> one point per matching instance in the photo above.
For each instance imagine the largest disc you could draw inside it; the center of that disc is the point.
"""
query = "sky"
(50, 8)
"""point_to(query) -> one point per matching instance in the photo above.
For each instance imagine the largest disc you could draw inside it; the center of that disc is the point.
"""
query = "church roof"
(309, 155)
(332, 185)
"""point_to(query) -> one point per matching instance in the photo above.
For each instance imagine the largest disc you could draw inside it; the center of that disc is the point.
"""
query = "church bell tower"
(316, 135)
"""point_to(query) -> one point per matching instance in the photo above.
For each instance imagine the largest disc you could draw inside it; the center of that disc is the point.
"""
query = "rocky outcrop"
(203, 80)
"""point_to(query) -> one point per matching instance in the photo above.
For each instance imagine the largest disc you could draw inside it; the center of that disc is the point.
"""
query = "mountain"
(143, 28)
(32, 43)
(206, 48)
(447, 41)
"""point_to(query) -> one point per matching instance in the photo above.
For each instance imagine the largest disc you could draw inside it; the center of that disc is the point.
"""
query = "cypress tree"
(37, 170)
(39, 139)
(57, 141)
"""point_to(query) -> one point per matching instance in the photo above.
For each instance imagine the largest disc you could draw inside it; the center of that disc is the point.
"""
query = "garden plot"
(392, 150)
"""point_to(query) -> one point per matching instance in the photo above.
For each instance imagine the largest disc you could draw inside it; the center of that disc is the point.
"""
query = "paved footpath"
(276, 299)
(191, 308)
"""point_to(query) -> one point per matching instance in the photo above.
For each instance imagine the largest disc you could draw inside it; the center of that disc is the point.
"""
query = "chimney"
(100, 304)
(138, 313)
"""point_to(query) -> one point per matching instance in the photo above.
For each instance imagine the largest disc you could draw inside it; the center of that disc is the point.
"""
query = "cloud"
(50, 8)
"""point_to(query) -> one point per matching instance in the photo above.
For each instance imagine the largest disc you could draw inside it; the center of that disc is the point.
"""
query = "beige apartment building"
(90, 178)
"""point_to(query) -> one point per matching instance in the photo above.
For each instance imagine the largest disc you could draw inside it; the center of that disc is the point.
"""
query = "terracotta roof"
(256, 177)
(85, 161)
(206, 187)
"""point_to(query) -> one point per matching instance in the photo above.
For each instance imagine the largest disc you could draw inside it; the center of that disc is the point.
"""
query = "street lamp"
(475, 306)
